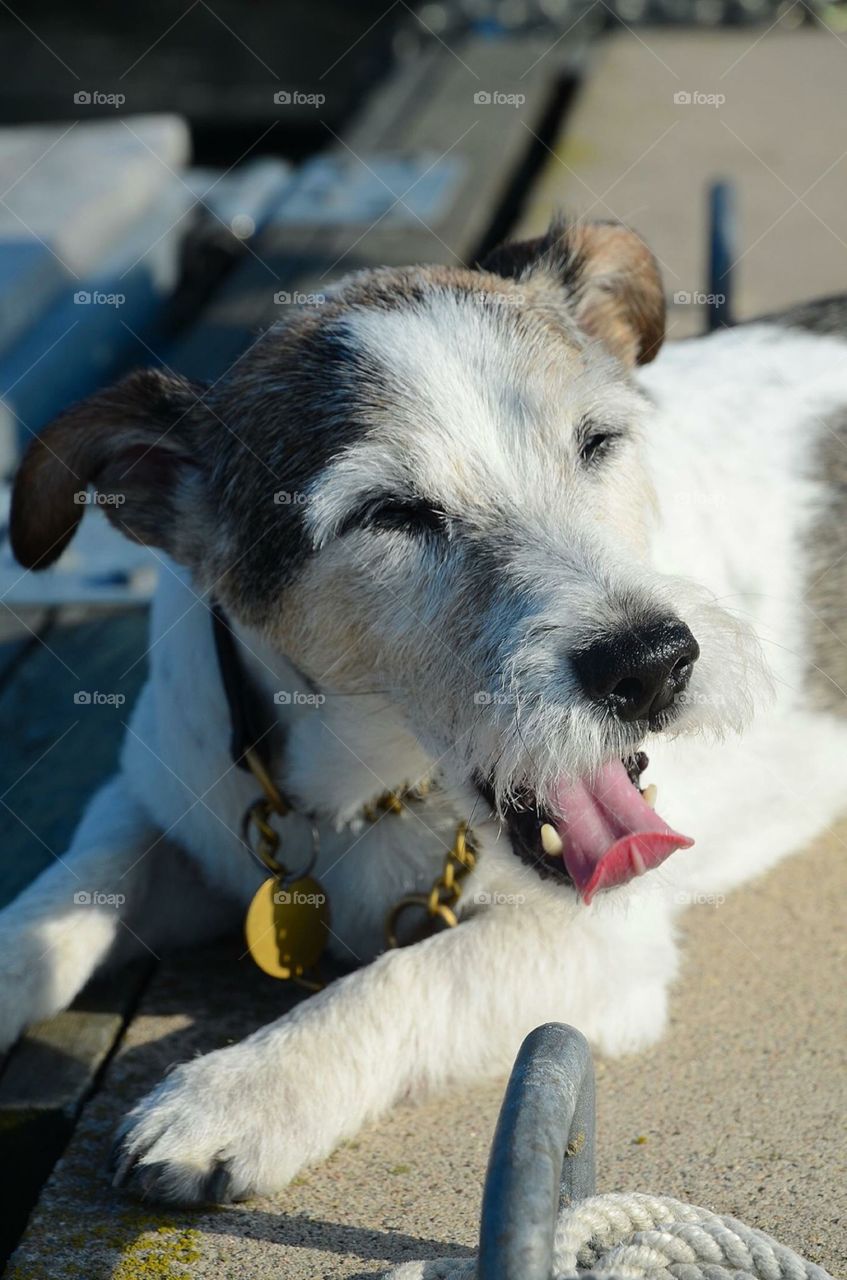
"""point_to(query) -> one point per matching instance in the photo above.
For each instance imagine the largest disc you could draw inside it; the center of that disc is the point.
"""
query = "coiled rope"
(630, 1236)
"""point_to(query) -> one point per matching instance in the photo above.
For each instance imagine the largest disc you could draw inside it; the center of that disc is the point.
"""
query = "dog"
(470, 543)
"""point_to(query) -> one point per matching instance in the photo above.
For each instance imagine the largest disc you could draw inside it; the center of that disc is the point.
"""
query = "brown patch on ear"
(132, 444)
(620, 299)
(610, 278)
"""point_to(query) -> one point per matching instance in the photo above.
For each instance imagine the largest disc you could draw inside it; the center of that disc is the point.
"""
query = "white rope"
(629, 1236)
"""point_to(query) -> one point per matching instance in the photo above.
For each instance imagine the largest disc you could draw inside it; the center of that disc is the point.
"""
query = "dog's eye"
(595, 443)
(407, 515)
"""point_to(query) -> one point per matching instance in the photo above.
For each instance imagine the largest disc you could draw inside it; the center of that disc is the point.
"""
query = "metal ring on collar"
(258, 814)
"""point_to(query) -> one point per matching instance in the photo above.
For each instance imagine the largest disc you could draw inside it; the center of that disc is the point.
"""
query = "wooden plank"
(98, 324)
(280, 257)
(219, 65)
(71, 191)
(44, 1083)
(19, 634)
(63, 749)
(427, 116)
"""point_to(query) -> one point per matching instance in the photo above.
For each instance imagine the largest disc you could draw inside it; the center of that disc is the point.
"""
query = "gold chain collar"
(288, 920)
(278, 896)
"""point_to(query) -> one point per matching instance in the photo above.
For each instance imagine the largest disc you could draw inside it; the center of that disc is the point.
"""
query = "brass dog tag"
(286, 926)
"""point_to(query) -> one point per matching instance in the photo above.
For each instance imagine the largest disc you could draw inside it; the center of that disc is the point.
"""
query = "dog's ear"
(609, 276)
(133, 444)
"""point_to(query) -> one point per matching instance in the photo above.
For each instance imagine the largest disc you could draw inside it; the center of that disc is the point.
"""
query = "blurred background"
(148, 153)
(177, 175)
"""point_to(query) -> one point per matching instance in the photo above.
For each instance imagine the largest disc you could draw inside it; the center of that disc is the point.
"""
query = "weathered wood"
(58, 749)
(63, 750)
(44, 1082)
(426, 114)
(219, 65)
(18, 635)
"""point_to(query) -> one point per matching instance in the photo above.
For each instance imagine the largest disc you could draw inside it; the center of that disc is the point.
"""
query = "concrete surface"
(628, 151)
(741, 1108)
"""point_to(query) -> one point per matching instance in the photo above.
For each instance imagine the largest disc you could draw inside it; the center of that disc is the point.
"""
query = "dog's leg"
(246, 1118)
(69, 920)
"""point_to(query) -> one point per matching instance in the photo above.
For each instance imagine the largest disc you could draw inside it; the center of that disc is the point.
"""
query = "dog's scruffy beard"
(563, 776)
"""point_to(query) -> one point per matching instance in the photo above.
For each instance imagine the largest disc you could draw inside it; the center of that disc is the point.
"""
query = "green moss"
(163, 1254)
(150, 1247)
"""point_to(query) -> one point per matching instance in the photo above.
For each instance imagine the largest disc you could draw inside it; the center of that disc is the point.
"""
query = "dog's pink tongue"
(610, 834)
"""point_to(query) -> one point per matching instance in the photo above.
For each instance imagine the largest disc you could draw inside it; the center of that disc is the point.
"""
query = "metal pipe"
(722, 255)
(542, 1156)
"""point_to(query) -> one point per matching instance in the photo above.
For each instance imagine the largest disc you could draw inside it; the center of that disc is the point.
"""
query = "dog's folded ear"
(132, 444)
(610, 278)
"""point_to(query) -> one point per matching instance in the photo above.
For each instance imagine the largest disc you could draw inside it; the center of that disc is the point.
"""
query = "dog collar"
(288, 919)
(250, 739)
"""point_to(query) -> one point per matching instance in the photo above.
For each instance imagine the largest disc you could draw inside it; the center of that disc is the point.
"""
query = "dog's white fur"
(726, 443)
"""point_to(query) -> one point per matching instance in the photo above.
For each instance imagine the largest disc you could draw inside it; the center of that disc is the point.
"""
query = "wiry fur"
(444, 653)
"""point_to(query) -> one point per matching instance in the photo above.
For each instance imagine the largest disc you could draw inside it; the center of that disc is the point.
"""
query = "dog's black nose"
(638, 673)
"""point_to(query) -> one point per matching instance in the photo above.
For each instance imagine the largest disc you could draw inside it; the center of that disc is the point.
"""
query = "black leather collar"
(251, 728)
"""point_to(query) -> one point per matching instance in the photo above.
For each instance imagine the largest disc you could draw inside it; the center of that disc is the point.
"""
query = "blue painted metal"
(722, 254)
(543, 1154)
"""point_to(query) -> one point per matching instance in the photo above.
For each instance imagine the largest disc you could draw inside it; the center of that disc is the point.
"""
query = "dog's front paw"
(221, 1128)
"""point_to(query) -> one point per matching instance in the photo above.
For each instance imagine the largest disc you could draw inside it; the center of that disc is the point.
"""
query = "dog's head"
(431, 484)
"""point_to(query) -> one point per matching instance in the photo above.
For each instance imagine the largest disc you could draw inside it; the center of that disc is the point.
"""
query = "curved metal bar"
(542, 1155)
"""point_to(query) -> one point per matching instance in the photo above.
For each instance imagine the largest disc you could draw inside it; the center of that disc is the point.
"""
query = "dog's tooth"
(649, 793)
(638, 864)
(551, 841)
